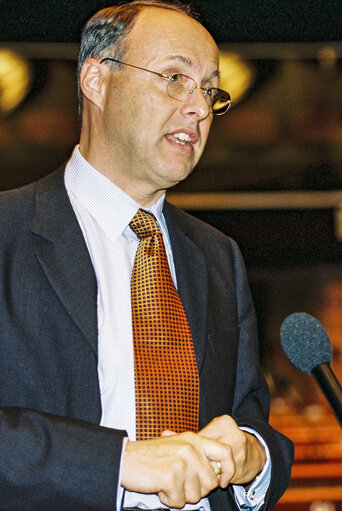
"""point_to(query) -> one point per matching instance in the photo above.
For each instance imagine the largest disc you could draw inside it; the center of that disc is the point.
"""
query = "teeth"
(182, 136)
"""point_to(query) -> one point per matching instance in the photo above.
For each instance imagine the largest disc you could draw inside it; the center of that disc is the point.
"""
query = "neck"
(103, 162)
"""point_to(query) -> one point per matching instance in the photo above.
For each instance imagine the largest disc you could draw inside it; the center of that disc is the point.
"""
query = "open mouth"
(180, 138)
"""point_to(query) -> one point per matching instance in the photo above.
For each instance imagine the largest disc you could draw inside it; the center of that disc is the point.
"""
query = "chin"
(180, 171)
(179, 175)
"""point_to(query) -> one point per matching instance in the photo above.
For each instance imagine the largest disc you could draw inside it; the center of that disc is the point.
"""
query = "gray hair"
(106, 31)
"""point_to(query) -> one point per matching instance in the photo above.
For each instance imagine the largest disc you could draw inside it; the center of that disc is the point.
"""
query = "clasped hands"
(182, 468)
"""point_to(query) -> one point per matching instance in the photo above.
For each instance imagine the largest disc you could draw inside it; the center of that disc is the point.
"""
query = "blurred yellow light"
(14, 80)
(236, 75)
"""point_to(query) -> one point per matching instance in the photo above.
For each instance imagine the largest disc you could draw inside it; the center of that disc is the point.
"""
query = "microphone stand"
(330, 387)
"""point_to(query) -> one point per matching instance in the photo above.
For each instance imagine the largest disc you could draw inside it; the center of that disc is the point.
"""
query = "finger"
(217, 468)
(188, 491)
(198, 474)
(172, 500)
(195, 487)
(218, 451)
(225, 471)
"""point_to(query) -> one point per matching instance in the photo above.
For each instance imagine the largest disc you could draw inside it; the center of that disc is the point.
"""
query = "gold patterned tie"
(166, 374)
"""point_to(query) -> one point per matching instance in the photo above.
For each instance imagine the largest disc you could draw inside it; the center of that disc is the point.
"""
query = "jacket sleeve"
(251, 398)
(56, 463)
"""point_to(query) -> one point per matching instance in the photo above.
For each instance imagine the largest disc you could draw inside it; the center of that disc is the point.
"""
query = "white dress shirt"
(104, 211)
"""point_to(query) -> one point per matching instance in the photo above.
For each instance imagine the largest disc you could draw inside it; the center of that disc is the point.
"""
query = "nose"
(196, 105)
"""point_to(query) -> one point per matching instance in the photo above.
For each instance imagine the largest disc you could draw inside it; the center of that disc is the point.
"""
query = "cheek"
(147, 113)
(205, 129)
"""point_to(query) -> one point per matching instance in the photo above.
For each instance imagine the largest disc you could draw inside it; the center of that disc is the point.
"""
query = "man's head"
(106, 31)
(135, 129)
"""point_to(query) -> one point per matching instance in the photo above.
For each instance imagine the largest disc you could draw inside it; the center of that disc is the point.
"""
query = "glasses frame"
(169, 78)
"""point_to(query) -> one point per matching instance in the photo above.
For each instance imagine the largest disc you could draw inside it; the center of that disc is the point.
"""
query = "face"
(143, 128)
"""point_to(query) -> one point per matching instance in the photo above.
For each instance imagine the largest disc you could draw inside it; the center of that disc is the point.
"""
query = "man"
(69, 412)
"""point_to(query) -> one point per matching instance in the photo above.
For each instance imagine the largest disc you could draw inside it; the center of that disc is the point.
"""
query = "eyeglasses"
(180, 87)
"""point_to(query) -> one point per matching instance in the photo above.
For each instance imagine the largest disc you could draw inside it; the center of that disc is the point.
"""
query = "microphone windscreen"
(305, 341)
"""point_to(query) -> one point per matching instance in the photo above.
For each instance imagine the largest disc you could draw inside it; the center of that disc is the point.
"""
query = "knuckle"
(209, 484)
(178, 467)
(188, 437)
(193, 496)
(187, 448)
(186, 451)
(172, 501)
(228, 450)
(169, 480)
(242, 440)
(226, 419)
(164, 499)
(193, 499)
(173, 477)
(230, 468)
(177, 503)
(231, 471)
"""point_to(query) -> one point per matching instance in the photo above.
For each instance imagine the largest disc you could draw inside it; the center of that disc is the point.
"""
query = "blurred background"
(271, 176)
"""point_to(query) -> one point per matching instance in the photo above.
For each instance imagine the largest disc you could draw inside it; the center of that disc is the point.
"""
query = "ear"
(93, 81)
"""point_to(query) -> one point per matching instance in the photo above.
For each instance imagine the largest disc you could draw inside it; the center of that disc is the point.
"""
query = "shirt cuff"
(120, 490)
(253, 496)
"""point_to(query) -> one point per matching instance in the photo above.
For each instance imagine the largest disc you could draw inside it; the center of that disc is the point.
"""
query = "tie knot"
(144, 224)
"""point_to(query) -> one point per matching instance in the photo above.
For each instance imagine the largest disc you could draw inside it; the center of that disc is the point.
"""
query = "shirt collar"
(112, 208)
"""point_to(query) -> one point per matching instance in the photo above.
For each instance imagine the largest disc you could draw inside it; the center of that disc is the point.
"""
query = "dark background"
(229, 21)
(269, 239)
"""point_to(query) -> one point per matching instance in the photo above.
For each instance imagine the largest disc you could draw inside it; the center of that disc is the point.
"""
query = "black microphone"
(308, 347)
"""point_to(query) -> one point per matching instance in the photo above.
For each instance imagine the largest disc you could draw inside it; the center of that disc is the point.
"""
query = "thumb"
(167, 432)
(212, 430)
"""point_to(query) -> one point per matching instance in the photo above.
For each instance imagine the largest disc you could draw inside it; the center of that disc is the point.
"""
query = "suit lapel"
(63, 254)
(191, 275)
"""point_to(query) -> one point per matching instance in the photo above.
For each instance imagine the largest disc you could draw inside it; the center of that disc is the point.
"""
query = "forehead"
(161, 33)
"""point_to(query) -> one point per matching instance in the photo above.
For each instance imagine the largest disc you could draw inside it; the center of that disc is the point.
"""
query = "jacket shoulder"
(17, 205)
(16, 208)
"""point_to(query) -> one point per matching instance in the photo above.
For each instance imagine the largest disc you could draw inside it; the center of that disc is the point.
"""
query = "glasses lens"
(180, 86)
(220, 102)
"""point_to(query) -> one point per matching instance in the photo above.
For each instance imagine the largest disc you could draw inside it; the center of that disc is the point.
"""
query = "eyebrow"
(187, 61)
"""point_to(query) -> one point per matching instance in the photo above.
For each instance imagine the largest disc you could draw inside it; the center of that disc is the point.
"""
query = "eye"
(213, 92)
(174, 77)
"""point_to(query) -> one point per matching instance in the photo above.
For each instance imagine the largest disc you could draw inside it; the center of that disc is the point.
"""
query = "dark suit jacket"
(53, 453)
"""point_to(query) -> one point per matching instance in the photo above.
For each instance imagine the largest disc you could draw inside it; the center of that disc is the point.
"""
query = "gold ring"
(218, 470)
